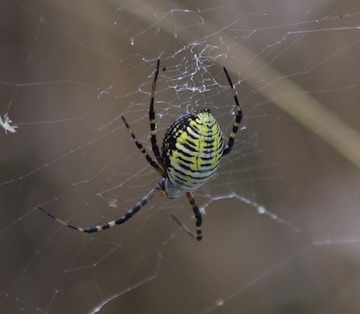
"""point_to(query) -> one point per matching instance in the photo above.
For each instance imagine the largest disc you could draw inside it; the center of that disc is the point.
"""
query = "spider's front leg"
(198, 217)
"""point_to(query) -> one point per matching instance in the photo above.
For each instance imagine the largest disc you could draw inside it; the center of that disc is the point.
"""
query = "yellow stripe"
(196, 150)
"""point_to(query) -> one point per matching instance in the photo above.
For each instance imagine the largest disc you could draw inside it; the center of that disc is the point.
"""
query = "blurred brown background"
(281, 228)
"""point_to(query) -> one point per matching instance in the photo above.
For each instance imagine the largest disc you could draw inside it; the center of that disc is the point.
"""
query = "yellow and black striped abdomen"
(192, 149)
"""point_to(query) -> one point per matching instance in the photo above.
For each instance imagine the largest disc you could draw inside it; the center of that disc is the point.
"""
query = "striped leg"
(131, 212)
(143, 150)
(238, 117)
(154, 144)
(198, 235)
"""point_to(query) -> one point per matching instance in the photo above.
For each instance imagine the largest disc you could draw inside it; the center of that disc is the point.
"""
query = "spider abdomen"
(192, 149)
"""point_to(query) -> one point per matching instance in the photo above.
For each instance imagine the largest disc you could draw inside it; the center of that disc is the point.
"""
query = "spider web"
(280, 224)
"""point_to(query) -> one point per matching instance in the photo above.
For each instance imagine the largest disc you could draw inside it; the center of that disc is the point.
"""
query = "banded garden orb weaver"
(191, 152)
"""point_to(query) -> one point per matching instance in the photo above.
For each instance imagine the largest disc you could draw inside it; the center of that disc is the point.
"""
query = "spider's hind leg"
(238, 117)
(154, 144)
(143, 150)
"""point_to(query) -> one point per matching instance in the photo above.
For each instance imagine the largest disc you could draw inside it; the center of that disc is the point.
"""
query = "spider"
(191, 152)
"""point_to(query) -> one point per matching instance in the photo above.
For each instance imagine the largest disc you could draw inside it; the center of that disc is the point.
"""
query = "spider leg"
(131, 212)
(198, 235)
(238, 117)
(182, 225)
(154, 144)
(143, 150)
